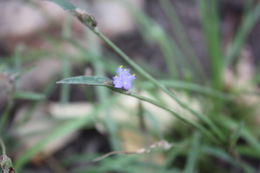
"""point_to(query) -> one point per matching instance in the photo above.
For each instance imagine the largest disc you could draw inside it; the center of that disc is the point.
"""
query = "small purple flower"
(123, 79)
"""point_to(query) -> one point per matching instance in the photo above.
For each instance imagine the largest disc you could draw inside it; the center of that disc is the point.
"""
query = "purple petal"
(127, 85)
(131, 77)
(119, 70)
(117, 82)
(123, 79)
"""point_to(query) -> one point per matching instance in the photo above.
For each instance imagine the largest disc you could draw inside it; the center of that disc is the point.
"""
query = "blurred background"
(207, 52)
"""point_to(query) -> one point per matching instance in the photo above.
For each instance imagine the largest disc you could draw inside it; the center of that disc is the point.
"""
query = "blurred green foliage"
(222, 139)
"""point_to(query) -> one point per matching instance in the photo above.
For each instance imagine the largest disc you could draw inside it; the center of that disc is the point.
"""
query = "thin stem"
(156, 83)
(210, 24)
(91, 23)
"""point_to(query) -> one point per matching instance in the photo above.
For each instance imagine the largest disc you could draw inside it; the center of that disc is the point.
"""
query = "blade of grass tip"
(103, 93)
(248, 22)
(178, 27)
(59, 132)
(90, 22)
(210, 24)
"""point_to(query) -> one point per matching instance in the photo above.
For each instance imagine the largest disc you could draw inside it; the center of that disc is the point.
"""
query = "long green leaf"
(210, 24)
(248, 22)
(87, 80)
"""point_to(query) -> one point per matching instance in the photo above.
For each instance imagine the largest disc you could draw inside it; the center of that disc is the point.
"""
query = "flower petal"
(123, 79)
(127, 85)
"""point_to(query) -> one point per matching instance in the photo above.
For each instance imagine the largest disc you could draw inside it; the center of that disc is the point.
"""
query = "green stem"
(210, 25)
(90, 22)
(156, 83)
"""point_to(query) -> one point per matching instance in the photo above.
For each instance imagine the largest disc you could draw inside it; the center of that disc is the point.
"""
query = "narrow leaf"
(87, 80)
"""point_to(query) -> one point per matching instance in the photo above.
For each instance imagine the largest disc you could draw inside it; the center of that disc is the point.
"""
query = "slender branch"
(156, 83)
(91, 23)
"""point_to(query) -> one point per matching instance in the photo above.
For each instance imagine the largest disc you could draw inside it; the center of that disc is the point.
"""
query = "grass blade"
(248, 22)
(193, 154)
(210, 26)
(87, 80)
